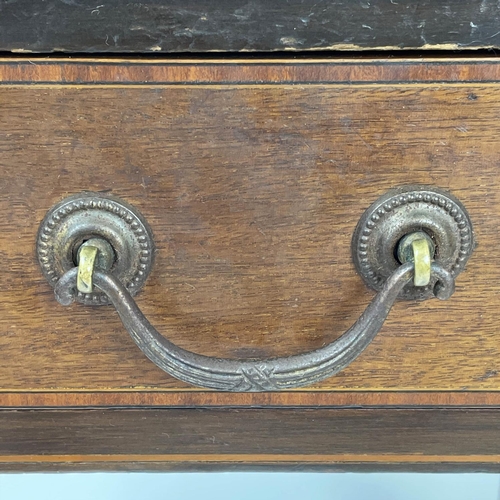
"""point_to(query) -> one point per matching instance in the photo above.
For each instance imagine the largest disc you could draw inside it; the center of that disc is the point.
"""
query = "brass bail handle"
(93, 253)
(418, 248)
(411, 243)
(414, 252)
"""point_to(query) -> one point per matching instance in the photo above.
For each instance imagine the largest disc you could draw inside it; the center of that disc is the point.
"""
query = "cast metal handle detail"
(259, 375)
(97, 250)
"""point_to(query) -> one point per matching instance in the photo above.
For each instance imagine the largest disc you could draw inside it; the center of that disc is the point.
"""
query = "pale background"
(249, 486)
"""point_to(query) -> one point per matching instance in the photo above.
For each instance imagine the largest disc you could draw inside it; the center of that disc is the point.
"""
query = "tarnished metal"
(86, 263)
(403, 211)
(255, 375)
(105, 257)
(303, 369)
(82, 217)
(421, 263)
(95, 252)
(417, 248)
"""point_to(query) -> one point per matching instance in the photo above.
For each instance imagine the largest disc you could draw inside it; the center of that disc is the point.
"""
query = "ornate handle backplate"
(411, 243)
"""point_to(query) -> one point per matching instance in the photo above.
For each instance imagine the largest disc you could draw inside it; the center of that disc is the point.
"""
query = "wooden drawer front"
(253, 176)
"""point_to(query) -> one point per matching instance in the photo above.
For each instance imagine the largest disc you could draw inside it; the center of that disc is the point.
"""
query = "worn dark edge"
(246, 61)
(138, 466)
(225, 438)
(202, 26)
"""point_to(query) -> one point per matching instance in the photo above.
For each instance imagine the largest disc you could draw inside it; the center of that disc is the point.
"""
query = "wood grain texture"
(176, 26)
(230, 439)
(250, 71)
(253, 177)
(253, 192)
(162, 398)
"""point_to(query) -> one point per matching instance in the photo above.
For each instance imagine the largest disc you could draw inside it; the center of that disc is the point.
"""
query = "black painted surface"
(179, 26)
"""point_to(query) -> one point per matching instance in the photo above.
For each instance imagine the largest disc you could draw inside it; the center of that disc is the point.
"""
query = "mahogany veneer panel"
(253, 176)
(253, 193)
